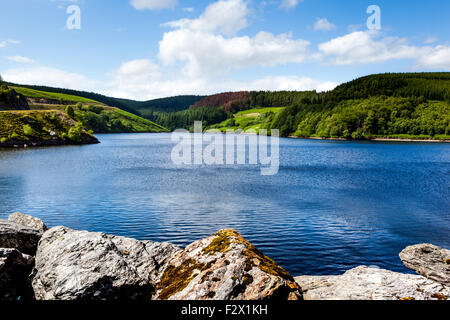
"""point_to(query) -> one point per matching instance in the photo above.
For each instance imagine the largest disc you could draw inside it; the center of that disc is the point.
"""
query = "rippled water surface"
(333, 205)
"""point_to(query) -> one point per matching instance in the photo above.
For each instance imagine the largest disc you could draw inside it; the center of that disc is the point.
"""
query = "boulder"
(15, 267)
(81, 265)
(429, 261)
(28, 221)
(22, 238)
(365, 283)
(225, 266)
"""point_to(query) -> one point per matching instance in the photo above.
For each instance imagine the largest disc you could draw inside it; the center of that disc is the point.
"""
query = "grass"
(257, 112)
(36, 94)
(245, 120)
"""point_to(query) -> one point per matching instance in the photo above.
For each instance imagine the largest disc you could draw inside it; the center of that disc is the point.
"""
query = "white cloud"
(438, 59)
(189, 9)
(41, 75)
(225, 16)
(5, 43)
(363, 47)
(277, 83)
(202, 47)
(153, 4)
(209, 53)
(142, 80)
(323, 25)
(20, 59)
(430, 40)
(289, 4)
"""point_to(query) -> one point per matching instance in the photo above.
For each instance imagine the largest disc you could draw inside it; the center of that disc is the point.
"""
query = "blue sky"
(145, 49)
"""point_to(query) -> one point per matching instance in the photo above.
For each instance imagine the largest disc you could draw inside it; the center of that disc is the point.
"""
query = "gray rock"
(428, 260)
(28, 221)
(15, 267)
(81, 265)
(225, 266)
(364, 283)
(17, 236)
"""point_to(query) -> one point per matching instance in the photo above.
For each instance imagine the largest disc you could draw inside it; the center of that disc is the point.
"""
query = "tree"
(70, 112)
(1, 79)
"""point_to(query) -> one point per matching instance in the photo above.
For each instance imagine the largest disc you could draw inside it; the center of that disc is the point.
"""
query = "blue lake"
(331, 207)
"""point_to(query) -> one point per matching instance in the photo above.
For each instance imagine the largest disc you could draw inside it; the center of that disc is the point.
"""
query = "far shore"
(374, 139)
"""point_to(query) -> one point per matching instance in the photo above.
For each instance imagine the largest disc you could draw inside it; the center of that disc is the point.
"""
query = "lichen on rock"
(225, 266)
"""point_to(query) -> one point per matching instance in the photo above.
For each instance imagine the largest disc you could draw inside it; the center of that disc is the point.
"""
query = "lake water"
(332, 206)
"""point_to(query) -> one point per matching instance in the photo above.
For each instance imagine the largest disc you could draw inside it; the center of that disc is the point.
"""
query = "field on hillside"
(251, 119)
(36, 94)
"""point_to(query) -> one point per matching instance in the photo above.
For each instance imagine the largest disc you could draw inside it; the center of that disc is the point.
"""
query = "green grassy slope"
(102, 119)
(36, 128)
(252, 119)
(170, 104)
(93, 115)
(61, 97)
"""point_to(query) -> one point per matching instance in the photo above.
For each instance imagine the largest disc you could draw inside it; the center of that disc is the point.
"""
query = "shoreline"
(39, 264)
(372, 140)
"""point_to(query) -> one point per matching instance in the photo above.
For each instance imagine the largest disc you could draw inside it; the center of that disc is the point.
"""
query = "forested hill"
(409, 105)
(171, 104)
(412, 105)
(431, 86)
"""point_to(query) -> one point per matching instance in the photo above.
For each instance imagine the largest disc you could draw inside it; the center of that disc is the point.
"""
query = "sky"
(146, 49)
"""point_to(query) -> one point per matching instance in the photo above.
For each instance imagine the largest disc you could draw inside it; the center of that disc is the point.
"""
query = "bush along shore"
(41, 128)
(37, 263)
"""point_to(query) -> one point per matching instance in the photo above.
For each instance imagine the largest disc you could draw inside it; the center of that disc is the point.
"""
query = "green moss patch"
(175, 279)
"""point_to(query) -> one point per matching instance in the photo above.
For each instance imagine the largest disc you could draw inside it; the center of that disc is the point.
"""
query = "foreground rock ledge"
(225, 266)
(14, 270)
(429, 261)
(364, 283)
(81, 265)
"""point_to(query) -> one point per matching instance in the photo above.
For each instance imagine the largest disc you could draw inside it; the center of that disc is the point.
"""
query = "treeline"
(365, 118)
(185, 119)
(171, 104)
(431, 86)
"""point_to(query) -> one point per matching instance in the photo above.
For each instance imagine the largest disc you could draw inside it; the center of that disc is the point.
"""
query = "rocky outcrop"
(17, 236)
(28, 221)
(14, 270)
(429, 261)
(81, 265)
(11, 100)
(224, 266)
(364, 283)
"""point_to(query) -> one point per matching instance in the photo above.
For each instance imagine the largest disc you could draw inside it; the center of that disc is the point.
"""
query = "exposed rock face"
(363, 283)
(14, 270)
(225, 266)
(28, 221)
(11, 100)
(428, 260)
(22, 238)
(81, 265)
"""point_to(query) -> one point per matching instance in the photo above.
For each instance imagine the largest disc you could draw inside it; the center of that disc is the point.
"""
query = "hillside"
(40, 128)
(10, 99)
(94, 115)
(230, 101)
(170, 104)
(401, 106)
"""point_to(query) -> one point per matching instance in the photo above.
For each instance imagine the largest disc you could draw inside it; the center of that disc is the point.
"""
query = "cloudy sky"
(144, 49)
